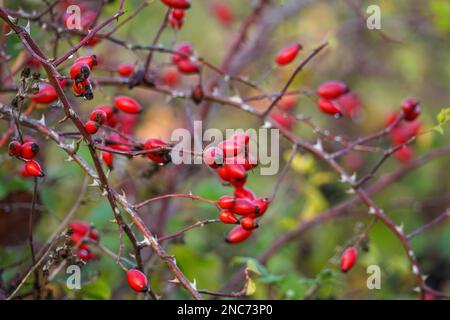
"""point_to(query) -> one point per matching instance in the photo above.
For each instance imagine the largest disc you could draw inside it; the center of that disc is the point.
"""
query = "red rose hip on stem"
(332, 90)
(228, 218)
(99, 116)
(91, 127)
(33, 168)
(127, 104)
(288, 54)
(348, 258)
(329, 107)
(411, 109)
(46, 95)
(14, 148)
(29, 150)
(125, 69)
(137, 280)
(225, 202)
(238, 234)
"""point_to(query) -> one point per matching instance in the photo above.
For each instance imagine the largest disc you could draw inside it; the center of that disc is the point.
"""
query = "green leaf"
(98, 290)
(443, 117)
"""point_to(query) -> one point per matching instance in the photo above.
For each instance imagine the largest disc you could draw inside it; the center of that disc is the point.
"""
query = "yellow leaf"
(251, 287)
(303, 163)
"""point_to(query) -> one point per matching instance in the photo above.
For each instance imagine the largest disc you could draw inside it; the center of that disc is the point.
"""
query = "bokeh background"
(409, 57)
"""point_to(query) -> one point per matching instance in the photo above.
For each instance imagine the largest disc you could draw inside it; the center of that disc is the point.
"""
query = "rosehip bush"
(92, 108)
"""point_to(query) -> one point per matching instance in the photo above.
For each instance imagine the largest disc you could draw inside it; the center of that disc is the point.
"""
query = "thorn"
(318, 146)
(42, 120)
(95, 183)
(174, 280)
(194, 284)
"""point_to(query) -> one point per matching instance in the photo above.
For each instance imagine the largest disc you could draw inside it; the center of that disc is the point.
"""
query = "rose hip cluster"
(82, 231)
(80, 73)
(328, 93)
(403, 131)
(183, 60)
(26, 152)
(232, 161)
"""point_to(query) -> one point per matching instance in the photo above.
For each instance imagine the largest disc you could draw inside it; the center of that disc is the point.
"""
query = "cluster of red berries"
(348, 258)
(231, 160)
(182, 59)
(26, 152)
(137, 280)
(329, 92)
(80, 72)
(405, 130)
(81, 231)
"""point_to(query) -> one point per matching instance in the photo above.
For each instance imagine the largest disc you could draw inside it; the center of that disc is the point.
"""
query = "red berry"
(175, 23)
(91, 61)
(350, 105)
(238, 183)
(80, 227)
(288, 54)
(178, 4)
(248, 223)
(107, 158)
(243, 206)
(137, 280)
(230, 148)
(348, 258)
(84, 254)
(223, 173)
(177, 13)
(238, 234)
(80, 71)
(107, 109)
(287, 102)
(29, 150)
(91, 127)
(329, 107)
(127, 104)
(197, 94)
(244, 193)
(236, 171)
(185, 49)
(188, 67)
(262, 205)
(225, 202)
(14, 148)
(404, 154)
(284, 120)
(33, 168)
(46, 95)
(213, 157)
(125, 69)
(99, 116)
(332, 90)
(223, 12)
(170, 77)
(227, 217)
(154, 144)
(405, 131)
(411, 109)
